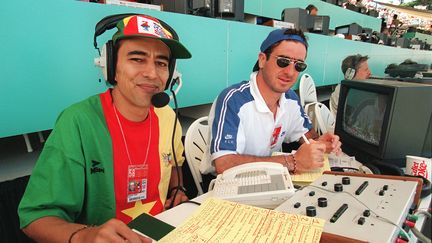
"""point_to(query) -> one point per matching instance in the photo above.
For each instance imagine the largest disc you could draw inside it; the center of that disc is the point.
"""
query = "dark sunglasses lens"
(282, 62)
(300, 66)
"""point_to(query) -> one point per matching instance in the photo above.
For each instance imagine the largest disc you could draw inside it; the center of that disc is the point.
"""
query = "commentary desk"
(178, 214)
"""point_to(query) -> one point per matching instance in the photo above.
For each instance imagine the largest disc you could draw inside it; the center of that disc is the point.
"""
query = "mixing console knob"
(310, 211)
(366, 213)
(338, 187)
(345, 180)
(322, 202)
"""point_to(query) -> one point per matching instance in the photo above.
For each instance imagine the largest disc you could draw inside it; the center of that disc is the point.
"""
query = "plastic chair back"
(307, 90)
(196, 141)
(326, 120)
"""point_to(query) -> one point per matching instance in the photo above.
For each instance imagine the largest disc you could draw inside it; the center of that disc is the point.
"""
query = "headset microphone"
(160, 99)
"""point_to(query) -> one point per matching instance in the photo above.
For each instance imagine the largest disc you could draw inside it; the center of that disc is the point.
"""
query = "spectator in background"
(312, 10)
(353, 67)
(359, 4)
(396, 23)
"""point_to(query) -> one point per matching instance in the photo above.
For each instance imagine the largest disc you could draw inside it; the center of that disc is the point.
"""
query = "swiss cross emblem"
(145, 25)
(275, 135)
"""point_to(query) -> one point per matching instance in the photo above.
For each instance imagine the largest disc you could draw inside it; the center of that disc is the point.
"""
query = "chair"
(325, 119)
(310, 111)
(27, 141)
(307, 90)
(196, 140)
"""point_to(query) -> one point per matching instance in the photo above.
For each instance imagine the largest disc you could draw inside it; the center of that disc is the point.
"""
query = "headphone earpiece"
(107, 59)
(106, 62)
(110, 62)
(350, 73)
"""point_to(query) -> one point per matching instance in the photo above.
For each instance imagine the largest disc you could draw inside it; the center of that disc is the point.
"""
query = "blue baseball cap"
(276, 36)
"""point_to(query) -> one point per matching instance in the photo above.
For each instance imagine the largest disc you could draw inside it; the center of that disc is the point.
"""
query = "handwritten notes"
(223, 221)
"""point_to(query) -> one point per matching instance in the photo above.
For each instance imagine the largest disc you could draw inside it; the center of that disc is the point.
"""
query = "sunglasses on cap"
(284, 62)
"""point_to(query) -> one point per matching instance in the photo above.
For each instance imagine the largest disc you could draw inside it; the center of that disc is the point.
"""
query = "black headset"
(352, 68)
(108, 55)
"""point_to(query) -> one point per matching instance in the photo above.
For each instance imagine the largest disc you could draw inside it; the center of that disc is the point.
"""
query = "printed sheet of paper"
(218, 220)
(310, 176)
(344, 161)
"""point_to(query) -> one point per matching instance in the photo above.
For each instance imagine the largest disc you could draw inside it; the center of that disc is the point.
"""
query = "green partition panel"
(423, 37)
(338, 16)
(48, 57)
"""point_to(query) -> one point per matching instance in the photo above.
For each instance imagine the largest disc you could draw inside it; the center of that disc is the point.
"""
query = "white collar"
(259, 100)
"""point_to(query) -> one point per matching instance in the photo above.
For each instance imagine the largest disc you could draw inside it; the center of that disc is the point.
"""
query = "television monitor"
(352, 7)
(318, 24)
(297, 16)
(349, 29)
(382, 121)
(181, 6)
(227, 9)
(403, 42)
(330, 1)
(384, 38)
(367, 31)
(373, 13)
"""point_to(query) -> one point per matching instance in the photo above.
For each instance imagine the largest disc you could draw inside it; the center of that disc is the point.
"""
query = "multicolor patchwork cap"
(149, 27)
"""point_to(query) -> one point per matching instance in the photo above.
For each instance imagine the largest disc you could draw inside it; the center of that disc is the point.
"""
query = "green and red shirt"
(81, 174)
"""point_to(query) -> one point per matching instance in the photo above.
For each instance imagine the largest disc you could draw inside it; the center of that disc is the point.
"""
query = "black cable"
(342, 169)
(193, 202)
(172, 144)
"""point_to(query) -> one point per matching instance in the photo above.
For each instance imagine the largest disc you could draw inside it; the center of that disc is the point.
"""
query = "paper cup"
(419, 166)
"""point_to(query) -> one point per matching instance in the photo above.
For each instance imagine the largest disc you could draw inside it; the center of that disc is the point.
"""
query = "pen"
(305, 139)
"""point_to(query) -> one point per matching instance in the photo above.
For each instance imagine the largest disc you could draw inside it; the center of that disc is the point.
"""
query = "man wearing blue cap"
(250, 120)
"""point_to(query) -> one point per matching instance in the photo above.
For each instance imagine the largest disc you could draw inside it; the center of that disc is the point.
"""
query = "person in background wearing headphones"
(250, 120)
(354, 67)
(109, 157)
(312, 10)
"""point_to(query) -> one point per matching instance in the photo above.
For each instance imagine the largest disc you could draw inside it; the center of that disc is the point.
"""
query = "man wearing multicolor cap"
(109, 157)
(250, 120)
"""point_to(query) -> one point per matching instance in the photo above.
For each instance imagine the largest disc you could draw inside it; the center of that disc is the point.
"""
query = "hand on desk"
(310, 156)
(113, 230)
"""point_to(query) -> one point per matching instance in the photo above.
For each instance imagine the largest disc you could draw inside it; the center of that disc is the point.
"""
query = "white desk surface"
(175, 216)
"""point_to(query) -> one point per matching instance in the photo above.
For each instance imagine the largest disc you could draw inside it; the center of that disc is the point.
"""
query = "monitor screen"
(318, 24)
(342, 30)
(364, 114)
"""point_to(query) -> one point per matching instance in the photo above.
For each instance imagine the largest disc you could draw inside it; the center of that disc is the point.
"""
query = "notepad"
(218, 220)
(150, 226)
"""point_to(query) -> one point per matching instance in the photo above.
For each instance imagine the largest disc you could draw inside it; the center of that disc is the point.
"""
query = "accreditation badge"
(137, 182)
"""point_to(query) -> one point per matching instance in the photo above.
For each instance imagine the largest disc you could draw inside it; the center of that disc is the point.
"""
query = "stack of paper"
(223, 221)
